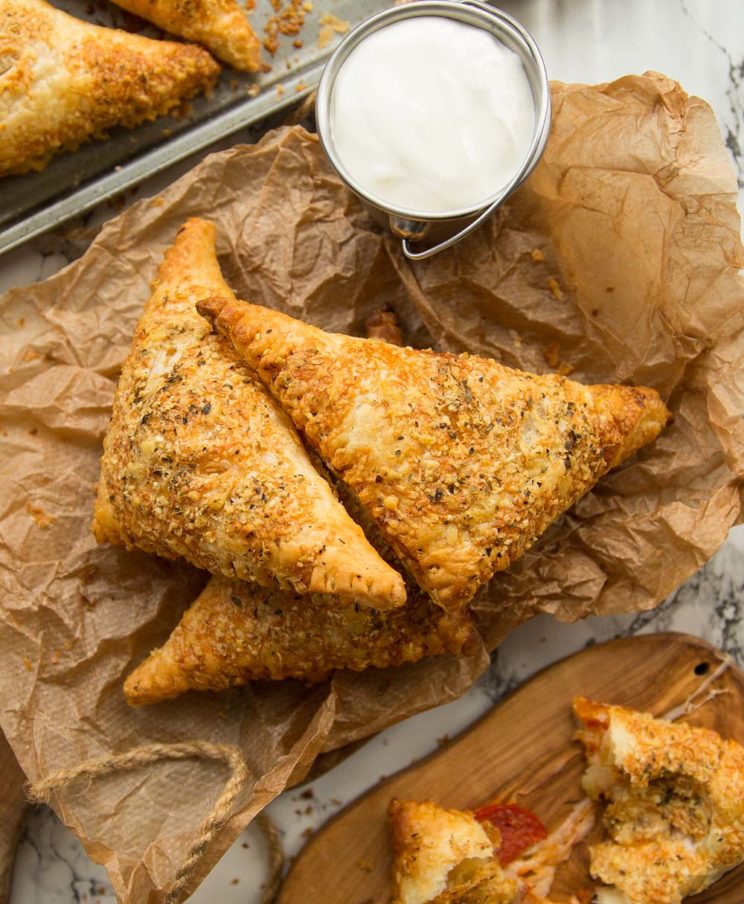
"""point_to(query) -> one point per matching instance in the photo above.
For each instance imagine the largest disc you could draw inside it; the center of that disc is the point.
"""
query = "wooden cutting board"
(12, 808)
(523, 750)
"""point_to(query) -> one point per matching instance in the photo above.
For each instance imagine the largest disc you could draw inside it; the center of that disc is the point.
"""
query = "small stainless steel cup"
(455, 224)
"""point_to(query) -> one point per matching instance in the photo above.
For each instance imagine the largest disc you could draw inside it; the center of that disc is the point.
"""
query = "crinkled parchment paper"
(617, 261)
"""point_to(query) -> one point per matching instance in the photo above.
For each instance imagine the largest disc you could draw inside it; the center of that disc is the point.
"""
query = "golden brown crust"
(63, 81)
(236, 632)
(462, 462)
(444, 856)
(675, 795)
(200, 462)
(220, 25)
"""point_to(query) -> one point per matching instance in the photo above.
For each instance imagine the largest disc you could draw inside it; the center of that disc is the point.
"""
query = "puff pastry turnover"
(220, 25)
(63, 81)
(462, 462)
(675, 804)
(200, 462)
(446, 856)
(237, 632)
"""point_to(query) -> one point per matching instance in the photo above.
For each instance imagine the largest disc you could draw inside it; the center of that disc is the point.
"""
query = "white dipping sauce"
(431, 115)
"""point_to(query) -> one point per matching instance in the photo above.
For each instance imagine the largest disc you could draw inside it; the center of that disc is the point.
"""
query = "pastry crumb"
(42, 518)
(330, 26)
(555, 289)
(288, 20)
(552, 355)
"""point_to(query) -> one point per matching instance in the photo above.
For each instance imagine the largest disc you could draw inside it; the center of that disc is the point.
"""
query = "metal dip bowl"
(451, 226)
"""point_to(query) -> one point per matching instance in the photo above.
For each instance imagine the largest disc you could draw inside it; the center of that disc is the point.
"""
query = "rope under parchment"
(39, 792)
(276, 858)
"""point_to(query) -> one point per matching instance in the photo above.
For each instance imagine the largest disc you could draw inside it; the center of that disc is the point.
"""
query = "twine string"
(276, 858)
(40, 792)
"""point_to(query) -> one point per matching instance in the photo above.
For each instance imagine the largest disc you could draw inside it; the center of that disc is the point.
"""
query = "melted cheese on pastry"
(448, 857)
(675, 804)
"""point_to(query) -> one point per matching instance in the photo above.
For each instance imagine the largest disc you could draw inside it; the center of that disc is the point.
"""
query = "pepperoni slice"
(519, 829)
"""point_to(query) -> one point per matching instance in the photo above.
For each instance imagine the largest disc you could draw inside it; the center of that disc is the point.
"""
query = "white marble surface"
(699, 42)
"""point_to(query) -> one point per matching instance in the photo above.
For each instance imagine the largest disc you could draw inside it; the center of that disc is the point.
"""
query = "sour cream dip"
(431, 115)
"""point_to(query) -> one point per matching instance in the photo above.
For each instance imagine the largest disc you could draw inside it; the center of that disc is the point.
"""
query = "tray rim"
(299, 85)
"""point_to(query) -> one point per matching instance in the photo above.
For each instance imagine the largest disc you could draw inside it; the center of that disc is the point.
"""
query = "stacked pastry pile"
(63, 81)
(453, 464)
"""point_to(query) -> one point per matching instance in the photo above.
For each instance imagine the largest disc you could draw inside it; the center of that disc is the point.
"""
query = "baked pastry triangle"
(200, 462)
(460, 461)
(237, 632)
(220, 25)
(63, 81)
(675, 804)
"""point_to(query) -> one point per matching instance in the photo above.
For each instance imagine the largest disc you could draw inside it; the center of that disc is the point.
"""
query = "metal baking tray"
(75, 182)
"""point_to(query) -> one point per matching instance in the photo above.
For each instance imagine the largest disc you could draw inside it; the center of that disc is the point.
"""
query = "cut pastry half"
(445, 856)
(200, 462)
(236, 632)
(442, 856)
(461, 462)
(220, 25)
(63, 81)
(675, 804)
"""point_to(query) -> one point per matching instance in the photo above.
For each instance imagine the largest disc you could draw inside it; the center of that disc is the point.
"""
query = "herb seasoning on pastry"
(236, 632)
(675, 804)
(200, 462)
(460, 461)
(63, 81)
(220, 25)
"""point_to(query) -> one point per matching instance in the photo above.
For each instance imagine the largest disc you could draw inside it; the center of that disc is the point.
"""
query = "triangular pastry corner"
(220, 25)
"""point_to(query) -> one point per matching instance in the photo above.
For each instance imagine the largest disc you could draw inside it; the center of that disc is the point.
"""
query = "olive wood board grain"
(12, 807)
(523, 750)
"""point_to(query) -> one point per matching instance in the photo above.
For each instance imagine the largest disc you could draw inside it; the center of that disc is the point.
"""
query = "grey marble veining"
(699, 42)
(732, 114)
(53, 868)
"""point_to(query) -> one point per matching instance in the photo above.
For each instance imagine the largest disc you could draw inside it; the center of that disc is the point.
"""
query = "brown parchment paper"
(618, 259)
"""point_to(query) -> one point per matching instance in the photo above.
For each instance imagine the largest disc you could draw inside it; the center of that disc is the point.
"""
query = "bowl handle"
(452, 240)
